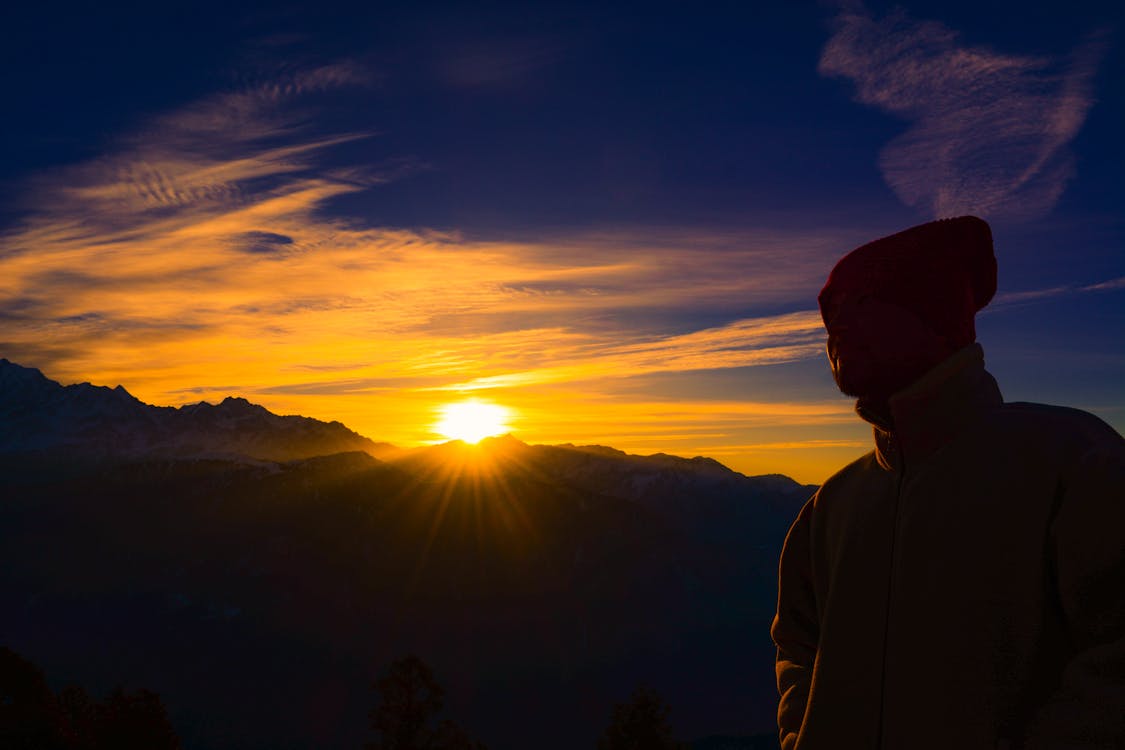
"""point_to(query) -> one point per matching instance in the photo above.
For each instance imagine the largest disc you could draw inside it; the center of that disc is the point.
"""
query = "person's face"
(876, 348)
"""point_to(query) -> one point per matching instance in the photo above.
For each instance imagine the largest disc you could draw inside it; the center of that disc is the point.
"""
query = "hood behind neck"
(928, 413)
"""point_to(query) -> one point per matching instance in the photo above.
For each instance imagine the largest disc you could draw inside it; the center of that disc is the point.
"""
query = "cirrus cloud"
(989, 132)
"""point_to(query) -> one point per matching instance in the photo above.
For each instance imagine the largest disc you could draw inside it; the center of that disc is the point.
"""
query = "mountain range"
(39, 414)
(259, 570)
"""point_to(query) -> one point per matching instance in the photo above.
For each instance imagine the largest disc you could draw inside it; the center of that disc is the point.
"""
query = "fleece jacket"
(962, 586)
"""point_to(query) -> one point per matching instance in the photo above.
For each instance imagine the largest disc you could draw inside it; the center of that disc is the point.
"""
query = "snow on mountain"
(38, 414)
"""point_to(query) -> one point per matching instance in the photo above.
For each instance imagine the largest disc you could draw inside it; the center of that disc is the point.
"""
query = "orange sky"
(144, 273)
(196, 258)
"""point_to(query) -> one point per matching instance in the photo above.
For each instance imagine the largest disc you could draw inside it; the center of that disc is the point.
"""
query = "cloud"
(498, 63)
(723, 449)
(1105, 286)
(741, 343)
(264, 243)
(235, 156)
(989, 132)
(258, 110)
(201, 257)
(1033, 295)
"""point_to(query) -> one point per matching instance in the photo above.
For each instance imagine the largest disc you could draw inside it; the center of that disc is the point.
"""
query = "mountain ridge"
(40, 414)
(559, 576)
(43, 415)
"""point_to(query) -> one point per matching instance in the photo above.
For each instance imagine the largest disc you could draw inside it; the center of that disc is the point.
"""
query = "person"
(961, 586)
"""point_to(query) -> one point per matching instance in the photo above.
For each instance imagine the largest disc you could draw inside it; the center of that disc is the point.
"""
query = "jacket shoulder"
(1063, 423)
(845, 482)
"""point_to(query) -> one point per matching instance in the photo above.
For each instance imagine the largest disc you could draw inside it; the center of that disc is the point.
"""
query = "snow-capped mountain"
(38, 414)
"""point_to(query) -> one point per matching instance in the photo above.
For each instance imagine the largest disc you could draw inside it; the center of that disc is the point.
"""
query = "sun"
(471, 421)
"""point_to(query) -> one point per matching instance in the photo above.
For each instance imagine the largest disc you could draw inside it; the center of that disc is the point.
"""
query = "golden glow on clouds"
(199, 260)
(471, 421)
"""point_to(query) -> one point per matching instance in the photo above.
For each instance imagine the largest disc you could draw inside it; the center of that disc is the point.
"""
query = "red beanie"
(943, 271)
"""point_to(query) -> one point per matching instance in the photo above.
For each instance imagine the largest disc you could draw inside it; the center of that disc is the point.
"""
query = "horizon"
(399, 450)
(611, 225)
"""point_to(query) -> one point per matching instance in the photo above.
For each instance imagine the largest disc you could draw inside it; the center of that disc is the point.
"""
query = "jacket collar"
(929, 413)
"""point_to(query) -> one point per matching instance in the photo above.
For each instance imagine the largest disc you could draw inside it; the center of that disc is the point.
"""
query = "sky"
(610, 219)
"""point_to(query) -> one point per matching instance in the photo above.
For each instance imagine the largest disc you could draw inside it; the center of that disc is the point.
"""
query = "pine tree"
(410, 700)
(80, 717)
(640, 724)
(134, 721)
(29, 714)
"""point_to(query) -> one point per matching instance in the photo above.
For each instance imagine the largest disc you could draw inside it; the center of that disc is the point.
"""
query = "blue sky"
(612, 219)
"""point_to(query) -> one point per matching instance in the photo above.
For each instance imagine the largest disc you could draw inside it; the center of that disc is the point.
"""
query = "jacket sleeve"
(1088, 544)
(795, 629)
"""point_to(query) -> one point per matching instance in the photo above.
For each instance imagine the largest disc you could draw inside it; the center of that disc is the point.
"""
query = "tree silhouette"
(29, 714)
(80, 717)
(136, 721)
(450, 736)
(640, 724)
(34, 718)
(409, 701)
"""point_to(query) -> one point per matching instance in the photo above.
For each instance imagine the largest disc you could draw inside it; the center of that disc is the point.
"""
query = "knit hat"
(943, 271)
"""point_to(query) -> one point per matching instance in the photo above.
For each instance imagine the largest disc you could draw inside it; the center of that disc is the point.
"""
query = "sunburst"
(473, 420)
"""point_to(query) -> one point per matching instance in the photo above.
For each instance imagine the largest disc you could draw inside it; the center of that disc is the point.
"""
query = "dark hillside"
(259, 598)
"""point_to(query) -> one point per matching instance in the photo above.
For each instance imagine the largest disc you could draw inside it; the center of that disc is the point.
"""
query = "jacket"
(962, 586)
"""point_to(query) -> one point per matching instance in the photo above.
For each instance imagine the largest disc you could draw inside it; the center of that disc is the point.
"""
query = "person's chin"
(848, 383)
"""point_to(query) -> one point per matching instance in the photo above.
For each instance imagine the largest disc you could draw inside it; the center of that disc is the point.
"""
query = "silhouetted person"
(963, 585)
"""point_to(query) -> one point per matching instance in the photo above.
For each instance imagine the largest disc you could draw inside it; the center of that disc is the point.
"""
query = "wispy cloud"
(1007, 299)
(201, 257)
(742, 343)
(497, 64)
(204, 236)
(989, 131)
